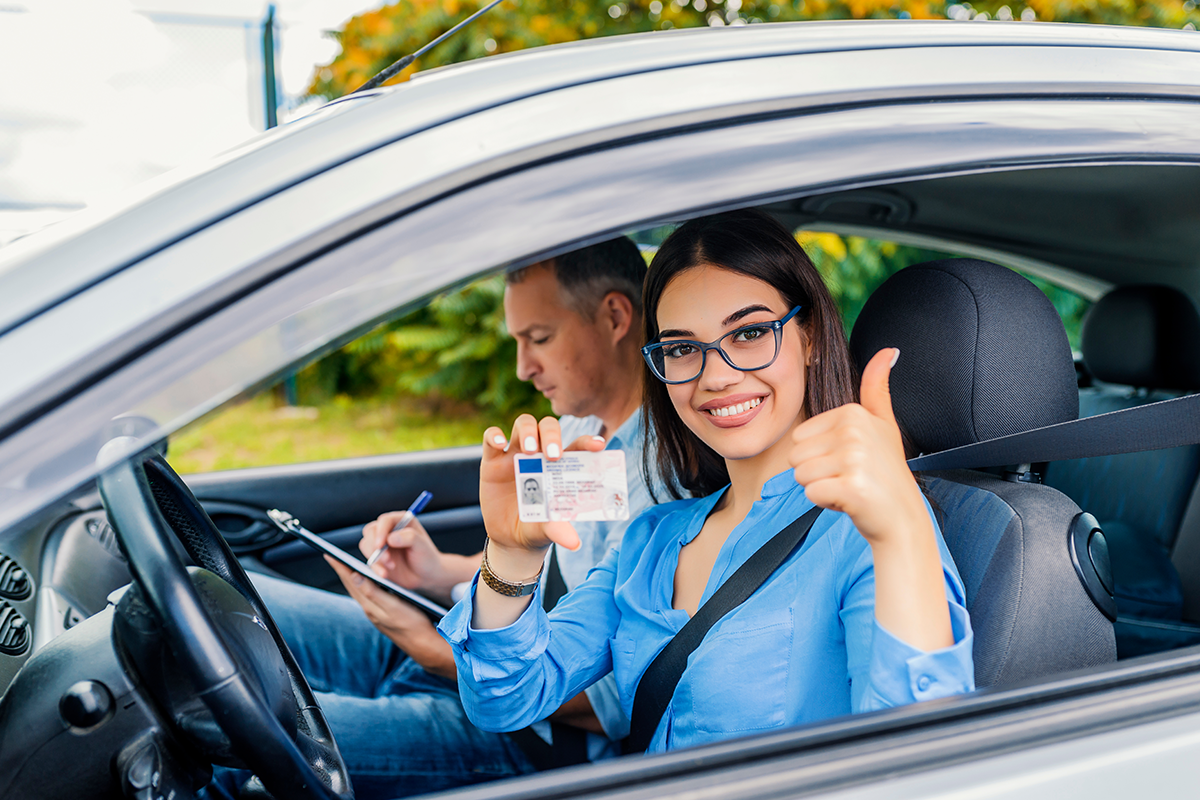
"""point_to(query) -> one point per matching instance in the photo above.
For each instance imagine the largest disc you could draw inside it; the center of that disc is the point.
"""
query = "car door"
(335, 499)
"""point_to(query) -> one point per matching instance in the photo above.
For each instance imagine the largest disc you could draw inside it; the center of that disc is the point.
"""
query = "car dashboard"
(56, 570)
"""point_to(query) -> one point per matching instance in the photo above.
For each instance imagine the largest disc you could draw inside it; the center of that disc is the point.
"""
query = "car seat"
(1141, 344)
(984, 354)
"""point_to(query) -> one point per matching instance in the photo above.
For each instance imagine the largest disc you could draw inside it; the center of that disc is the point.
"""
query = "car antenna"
(399, 66)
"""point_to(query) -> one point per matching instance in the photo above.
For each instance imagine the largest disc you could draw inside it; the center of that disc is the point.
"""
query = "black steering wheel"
(148, 505)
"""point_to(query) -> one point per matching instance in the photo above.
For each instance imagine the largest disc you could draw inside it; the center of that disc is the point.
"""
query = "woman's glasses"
(747, 348)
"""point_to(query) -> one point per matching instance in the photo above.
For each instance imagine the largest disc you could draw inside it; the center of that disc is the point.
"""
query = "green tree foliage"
(853, 267)
(456, 348)
(376, 39)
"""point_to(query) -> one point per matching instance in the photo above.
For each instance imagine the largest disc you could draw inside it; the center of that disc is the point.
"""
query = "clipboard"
(290, 525)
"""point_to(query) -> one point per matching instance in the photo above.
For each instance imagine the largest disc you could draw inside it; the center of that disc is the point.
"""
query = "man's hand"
(577, 712)
(406, 626)
(413, 560)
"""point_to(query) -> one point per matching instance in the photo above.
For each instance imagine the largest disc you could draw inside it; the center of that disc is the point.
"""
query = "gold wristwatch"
(501, 586)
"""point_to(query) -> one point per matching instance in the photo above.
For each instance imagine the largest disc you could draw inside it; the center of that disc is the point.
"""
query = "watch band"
(501, 586)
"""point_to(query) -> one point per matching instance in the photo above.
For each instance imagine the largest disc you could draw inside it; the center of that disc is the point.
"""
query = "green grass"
(260, 433)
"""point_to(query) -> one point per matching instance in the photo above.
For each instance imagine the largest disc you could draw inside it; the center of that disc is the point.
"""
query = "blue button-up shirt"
(805, 646)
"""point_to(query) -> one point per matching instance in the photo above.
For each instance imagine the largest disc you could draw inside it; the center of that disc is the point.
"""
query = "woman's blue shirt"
(804, 647)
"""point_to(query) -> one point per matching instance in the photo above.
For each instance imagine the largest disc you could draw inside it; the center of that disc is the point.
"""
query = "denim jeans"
(401, 730)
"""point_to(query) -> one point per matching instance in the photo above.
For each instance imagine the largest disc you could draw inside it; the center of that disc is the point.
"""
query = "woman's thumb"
(875, 394)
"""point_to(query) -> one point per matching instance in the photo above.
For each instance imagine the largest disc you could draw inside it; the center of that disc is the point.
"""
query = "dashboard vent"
(14, 581)
(14, 631)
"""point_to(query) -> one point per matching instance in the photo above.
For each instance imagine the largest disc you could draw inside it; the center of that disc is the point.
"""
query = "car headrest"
(1145, 336)
(983, 353)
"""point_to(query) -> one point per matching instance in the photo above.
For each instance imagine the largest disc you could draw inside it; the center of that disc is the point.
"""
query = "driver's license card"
(579, 487)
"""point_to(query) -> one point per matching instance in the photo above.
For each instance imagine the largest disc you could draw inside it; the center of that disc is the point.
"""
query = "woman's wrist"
(514, 564)
(499, 605)
(910, 531)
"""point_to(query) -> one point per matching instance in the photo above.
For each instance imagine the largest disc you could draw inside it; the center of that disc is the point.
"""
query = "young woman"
(750, 391)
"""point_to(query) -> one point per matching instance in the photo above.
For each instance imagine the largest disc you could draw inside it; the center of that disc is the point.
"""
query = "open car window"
(437, 376)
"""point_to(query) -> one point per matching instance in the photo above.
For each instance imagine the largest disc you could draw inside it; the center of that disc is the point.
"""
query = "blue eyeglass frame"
(775, 325)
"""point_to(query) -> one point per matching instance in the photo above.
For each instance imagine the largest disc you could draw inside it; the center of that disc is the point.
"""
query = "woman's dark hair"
(751, 243)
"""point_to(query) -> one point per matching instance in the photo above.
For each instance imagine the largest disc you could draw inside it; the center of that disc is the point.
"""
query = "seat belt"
(556, 585)
(1154, 426)
(570, 744)
(657, 685)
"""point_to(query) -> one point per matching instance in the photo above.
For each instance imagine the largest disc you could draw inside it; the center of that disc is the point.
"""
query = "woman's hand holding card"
(517, 549)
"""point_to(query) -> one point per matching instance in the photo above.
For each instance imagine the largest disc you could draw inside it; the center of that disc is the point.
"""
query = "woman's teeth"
(737, 408)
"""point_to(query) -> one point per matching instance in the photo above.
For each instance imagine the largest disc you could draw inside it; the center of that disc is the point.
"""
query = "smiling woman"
(762, 436)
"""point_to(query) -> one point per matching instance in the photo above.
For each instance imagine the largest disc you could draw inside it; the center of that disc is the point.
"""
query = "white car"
(1068, 152)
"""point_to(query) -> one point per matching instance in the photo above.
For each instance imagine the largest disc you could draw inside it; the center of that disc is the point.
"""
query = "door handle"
(244, 528)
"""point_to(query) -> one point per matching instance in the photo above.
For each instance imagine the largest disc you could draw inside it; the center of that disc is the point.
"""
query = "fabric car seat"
(1141, 344)
(984, 354)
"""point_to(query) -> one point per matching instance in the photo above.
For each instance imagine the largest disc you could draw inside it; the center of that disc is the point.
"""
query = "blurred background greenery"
(439, 376)
(372, 41)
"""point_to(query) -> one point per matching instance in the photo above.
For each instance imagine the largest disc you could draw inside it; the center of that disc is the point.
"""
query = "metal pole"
(270, 93)
(271, 107)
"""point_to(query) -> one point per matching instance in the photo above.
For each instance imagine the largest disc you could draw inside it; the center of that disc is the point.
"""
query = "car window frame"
(629, 183)
(1154, 687)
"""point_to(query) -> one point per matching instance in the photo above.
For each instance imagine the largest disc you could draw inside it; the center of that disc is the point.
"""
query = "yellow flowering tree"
(374, 40)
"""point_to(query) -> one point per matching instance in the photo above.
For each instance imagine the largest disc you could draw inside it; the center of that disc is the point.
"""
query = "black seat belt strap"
(657, 685)
(1155, 426)
(555, 586)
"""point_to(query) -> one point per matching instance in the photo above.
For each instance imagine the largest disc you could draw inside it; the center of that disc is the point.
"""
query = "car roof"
(45, 269)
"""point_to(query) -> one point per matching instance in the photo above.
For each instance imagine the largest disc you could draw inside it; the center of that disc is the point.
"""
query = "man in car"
(388, 685)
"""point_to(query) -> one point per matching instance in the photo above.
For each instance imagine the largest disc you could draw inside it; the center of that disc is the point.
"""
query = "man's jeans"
(401, 730)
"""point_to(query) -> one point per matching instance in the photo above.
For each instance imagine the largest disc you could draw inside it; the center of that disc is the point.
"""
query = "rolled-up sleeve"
(886, 671)
(901, 673)
(511, 677)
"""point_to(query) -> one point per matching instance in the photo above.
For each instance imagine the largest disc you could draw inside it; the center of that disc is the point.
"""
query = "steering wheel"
(147, 504)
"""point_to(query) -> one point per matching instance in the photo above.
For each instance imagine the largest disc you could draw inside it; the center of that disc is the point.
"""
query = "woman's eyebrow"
(745, 312)
(732, 318)
(678, 334)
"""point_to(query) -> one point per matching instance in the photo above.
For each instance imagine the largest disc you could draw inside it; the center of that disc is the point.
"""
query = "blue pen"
(417, 507)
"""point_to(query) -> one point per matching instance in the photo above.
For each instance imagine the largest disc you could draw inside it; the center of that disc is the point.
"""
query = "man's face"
(564, 355)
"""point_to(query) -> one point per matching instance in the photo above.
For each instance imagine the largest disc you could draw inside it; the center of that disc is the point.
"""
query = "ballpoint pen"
(417, 507)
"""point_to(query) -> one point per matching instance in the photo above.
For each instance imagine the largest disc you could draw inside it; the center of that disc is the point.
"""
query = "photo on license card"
(579, 487)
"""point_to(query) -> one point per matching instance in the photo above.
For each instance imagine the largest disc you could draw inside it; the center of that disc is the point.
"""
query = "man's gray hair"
(587, 275)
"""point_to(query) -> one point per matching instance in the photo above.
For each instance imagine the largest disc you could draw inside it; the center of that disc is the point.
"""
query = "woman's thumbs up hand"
(851, 459)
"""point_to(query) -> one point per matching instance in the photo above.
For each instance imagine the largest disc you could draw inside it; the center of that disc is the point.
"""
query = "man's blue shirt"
(599, 537)
(806, 646)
